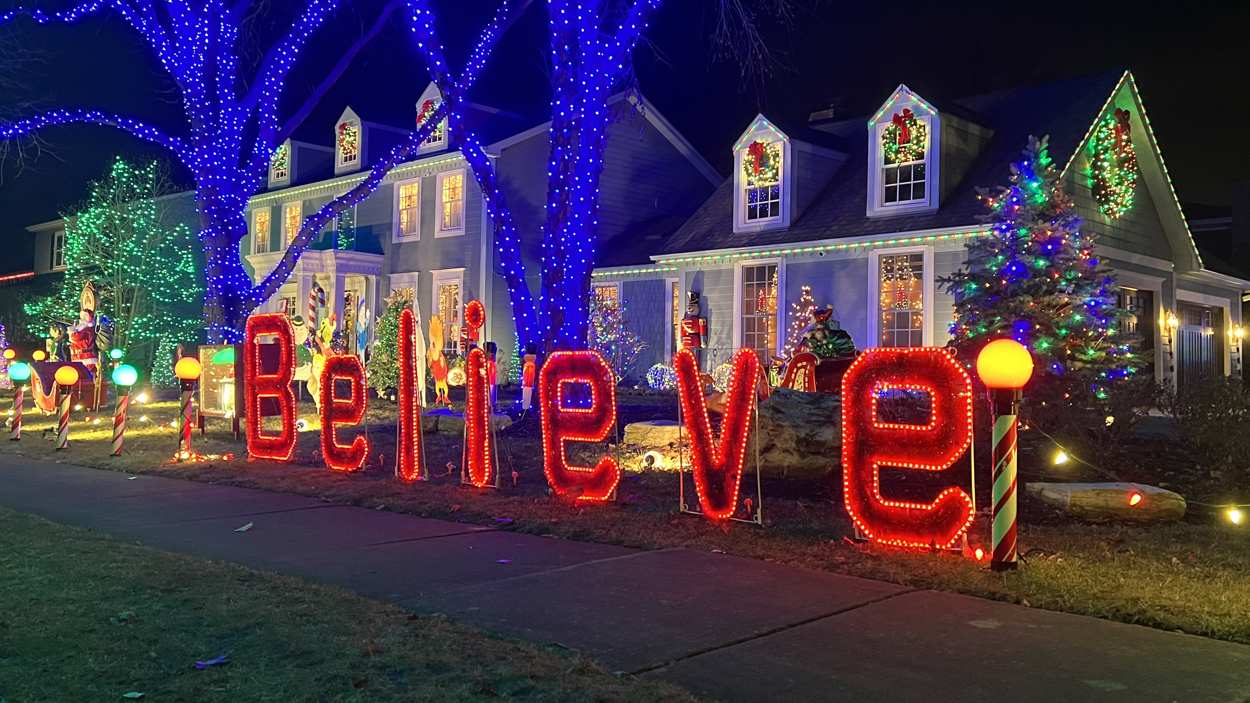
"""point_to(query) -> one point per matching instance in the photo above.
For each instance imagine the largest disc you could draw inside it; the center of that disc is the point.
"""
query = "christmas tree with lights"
(383, 365)
(800, 318)
(1035, 278)
(145, 273)
(610, 336)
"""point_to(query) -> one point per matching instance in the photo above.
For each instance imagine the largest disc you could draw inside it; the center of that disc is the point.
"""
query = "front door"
(1199, 344)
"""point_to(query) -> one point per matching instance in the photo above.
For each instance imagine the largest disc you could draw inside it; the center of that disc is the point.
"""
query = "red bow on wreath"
(756, 152)
(427, 107)
(1123, 128)
(903, 122)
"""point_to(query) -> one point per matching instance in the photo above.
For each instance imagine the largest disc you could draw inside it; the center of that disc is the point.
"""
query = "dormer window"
(280, 165)
(762, 176)
(761, 179)
(904, 142)
(903, 148)
(437, 138)
(347, 141)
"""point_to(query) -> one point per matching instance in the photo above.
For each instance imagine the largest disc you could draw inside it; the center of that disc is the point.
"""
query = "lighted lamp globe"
(116, 354)
(10, 353)
(39, 355)
(125, 376)
(187, 368)
(19, 372)
(66, 375)
(1004, 364)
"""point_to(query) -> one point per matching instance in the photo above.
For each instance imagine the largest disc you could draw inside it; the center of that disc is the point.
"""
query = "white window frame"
(437, 144)
(285, 179)
(928, 277)
(877, 207)
(256, 212)
(397, 233)
(781, 301)
(57, 236)
(341, 164)
(437, 278)
(741, 223)
(439, 230)
(298, 206)
(614, 285)
(407, 279)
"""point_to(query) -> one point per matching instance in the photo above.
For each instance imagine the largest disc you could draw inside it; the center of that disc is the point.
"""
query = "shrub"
(1214, 421)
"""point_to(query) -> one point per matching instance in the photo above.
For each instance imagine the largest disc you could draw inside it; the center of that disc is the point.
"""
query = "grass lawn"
(87, 618)
(1188, 576)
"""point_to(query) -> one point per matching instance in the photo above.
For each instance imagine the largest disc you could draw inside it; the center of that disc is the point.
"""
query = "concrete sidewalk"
(725, 627)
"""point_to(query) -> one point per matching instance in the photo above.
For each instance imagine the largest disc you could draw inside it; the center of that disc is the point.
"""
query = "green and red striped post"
(1004, 366)
(19, 400)
(119, 421)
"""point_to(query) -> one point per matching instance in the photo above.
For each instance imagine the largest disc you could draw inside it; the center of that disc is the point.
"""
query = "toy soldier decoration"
(693, 327)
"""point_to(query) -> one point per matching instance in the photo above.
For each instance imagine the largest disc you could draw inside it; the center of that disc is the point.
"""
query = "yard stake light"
(124, 376)
(187, 370)
(66, 377)
(1004, 366)
(19, 373)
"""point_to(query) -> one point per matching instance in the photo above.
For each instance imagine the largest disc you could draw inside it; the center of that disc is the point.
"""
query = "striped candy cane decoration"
(1004, 490)
(184, 439)
(119, 423)
(62, 430)
(19, 399)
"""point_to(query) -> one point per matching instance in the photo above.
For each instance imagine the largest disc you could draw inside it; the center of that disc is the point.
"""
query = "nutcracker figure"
(693, 328)
(529, 372)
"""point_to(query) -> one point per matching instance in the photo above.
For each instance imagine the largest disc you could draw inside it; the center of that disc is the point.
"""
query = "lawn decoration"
(270, 387)
(562, 424)
(335, 411)
(693, 328)
(1004, 366)
(325, 343)
(409, 445)
(822, 354)
(869, 443)
(438, 361)
(479, 442)
(188, 371)
(529, 372)
(718, 467)
(66, 377)
(19, 373)
(124, 376)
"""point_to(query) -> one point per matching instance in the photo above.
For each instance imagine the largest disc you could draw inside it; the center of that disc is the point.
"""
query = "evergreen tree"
(383, 365)
(800, 318)
(146, 276)
(1035, 278)
(609, 336)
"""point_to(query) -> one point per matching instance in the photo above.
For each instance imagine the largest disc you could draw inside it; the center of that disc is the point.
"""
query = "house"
(870, 230)
(426, 226)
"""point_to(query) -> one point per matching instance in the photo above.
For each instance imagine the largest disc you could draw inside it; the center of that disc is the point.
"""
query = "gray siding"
(646, 314)
(716, 286)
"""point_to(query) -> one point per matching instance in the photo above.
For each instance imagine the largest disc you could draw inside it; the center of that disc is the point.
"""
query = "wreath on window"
(904, 139)
(762, 163)
(280, 160)
(427, 108)
(1113, 164)
(349, 138)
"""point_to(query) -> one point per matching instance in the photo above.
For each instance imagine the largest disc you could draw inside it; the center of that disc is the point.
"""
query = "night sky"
(849, 55)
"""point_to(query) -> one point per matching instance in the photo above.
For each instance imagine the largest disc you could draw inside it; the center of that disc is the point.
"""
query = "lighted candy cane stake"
(1004, 366)
(124, 376)
(187, 370)
(19, 373)
(66, 377)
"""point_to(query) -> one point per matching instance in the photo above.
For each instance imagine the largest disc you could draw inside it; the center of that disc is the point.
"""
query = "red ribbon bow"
(756, 152)
(904, 129)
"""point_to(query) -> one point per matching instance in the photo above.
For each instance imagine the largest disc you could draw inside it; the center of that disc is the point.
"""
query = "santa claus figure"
(82, 336)
(693, 328)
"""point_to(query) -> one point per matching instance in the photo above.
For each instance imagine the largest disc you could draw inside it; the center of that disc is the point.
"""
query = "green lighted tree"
(143, 266)
(1035, 278)
(383, 365)
(609, 335)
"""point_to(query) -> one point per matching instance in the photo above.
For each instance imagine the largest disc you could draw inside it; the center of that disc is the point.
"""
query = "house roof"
(1064, 110)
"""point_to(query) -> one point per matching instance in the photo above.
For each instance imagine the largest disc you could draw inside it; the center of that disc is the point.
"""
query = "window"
(345, 229)
(260, 231)
(447, 296)
(901, 289)
(437, 137)
(408, 209)
(759, 310)
(292, 218)
(904, 144)
(1138, 307)
(347, 138)
(57, 258)
(761, 180)
(288, 306)
(609, 293)
(451, 202)
(280, 164)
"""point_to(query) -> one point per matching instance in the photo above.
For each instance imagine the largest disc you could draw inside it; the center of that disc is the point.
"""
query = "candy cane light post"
(188, 371)
(66, 378)
(19, 373)
(1004, 366)
(124, 376)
